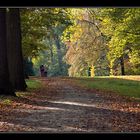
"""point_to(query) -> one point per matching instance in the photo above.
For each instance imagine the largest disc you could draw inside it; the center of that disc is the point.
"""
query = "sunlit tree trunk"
(122, 66)
(59, 54)
(51, 51)
(5, 85)
(14, 49)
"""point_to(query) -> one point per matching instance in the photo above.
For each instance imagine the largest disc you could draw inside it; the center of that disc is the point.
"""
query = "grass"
(33, 84)
(124, 87)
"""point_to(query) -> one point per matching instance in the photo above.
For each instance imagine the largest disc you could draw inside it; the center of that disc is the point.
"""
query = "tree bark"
(5, 85)
(51, 51)
(122, 66)
(14, 49)
(25, 66)
(59, 54)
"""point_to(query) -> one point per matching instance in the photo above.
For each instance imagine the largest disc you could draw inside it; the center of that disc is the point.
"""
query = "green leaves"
(41, 23)
(87, 32)
(122, 25)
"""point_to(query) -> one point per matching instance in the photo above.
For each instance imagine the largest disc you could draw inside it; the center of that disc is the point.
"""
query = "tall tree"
(87, 44)
(44, 36)
(5, 85)
(122, 66)
(14, 49)
(121, 26)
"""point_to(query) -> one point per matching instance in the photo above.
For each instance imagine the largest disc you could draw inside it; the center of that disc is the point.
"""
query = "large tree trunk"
(5, 85)
(122, 66)
(14, 49)
(25, 66)
(59, 54)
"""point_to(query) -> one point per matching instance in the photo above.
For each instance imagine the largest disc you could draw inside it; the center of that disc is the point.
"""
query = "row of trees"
(87, 45)
(42, 42)
(123, 31)
(106, 39)
(11, 60)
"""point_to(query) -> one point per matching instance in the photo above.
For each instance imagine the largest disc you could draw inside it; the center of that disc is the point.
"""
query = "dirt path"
(61, 106)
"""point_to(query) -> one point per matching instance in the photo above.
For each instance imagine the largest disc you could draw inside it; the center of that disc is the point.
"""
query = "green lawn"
(33, 84)
(121, 86)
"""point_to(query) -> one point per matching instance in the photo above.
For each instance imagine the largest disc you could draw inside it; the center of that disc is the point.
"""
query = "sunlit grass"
(121, 86)
(128, 77)
(33, 84)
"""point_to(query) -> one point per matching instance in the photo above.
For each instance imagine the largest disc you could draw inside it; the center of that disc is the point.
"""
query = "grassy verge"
(33, 84)
(121, 86)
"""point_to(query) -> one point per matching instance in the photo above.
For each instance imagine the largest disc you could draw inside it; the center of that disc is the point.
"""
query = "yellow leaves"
(106, 20)
(35, 60)
(77, 13)
(7, 102)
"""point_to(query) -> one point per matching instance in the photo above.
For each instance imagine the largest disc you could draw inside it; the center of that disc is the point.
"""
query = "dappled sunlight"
(70, 128)
(47, 129)
(74, 103)
(8, 126)
(100, 106)
(6, 123)
(33, 108)
(128, 77)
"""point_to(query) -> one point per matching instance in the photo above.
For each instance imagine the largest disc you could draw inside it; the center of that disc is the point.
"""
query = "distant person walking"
(42, 70)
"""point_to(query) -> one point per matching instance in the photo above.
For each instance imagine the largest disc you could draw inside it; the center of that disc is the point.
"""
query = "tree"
(87, 43)
(51, 23)
(121, 26)
(5, 85)
(14, 49)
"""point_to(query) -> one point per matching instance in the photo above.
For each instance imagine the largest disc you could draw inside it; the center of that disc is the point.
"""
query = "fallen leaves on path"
(62, 105)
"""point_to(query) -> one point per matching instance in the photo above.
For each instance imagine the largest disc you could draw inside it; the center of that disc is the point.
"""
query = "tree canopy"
(79, 38)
